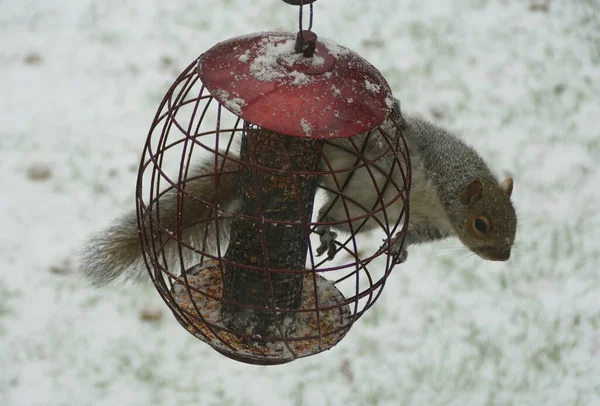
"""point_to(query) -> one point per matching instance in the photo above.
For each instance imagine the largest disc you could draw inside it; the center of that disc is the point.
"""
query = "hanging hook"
(310, 20)
(306, 40)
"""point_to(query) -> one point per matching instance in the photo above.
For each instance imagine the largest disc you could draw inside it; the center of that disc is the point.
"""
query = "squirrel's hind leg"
(326, 236)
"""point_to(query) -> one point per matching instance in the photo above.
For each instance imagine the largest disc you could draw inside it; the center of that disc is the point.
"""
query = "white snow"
(336, 91)
(372, 87)
(334, 47)
(233, 104)
(300, 78)
(275, 59)
(245, 56)
(266, 65)
(81, 82)
(306, 127)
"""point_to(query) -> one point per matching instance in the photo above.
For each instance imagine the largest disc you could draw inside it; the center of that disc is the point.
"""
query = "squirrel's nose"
(500, 256)
(497, 255)
(505, 255)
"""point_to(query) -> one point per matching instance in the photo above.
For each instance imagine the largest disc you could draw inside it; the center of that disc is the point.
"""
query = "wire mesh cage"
(253, 188)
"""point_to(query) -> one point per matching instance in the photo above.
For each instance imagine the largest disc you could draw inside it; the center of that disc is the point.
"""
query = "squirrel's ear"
(507, 186)
(472, 192)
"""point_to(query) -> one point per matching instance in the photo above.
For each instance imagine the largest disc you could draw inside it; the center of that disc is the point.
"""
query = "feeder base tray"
(304, 334)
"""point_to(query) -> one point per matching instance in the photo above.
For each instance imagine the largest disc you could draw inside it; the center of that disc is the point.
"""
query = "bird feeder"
(246, 144)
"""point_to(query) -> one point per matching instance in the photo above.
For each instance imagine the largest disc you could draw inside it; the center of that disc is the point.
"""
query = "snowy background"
(80, 82)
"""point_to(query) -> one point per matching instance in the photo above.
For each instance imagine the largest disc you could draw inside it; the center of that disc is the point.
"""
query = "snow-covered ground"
(80, 82)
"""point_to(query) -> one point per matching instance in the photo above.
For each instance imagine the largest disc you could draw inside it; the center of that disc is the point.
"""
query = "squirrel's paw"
(398, 252)
(399, 256)
(327, 238)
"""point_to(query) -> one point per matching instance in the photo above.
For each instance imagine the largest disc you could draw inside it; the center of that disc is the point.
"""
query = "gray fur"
(117, 250)
(443, 166)
(439, 154)
(113, 252)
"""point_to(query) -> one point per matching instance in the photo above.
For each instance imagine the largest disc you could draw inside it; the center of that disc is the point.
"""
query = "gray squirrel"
(453, 193)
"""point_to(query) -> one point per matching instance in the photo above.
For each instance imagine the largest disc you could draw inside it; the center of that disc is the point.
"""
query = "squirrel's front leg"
(415, 234)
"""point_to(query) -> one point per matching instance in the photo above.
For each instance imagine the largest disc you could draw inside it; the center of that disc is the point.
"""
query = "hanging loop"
(306, 40)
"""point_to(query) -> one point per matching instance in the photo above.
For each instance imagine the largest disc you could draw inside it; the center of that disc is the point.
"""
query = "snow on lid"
(275, 59)
(373, 87)
(333, 48)
(233, 104)
(245, 56)
(306, 127)
(300, 78)
(329, 93)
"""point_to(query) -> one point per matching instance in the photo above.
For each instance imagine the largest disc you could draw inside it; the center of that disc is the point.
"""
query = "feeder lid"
(260, 78)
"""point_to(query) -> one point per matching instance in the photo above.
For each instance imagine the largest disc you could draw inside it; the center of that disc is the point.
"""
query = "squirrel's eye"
(481, 224)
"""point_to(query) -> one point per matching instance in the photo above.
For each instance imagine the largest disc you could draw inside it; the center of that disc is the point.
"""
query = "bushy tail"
(117, 251)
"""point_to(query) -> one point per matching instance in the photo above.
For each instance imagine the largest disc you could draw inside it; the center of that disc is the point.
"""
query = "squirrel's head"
(491, 221)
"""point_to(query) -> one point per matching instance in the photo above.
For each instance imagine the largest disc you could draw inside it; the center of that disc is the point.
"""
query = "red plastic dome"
(260, 78)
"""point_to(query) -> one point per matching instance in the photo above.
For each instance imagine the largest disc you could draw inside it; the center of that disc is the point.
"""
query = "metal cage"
(232, 216)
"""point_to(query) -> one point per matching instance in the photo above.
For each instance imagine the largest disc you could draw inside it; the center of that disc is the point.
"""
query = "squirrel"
(453, 193)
